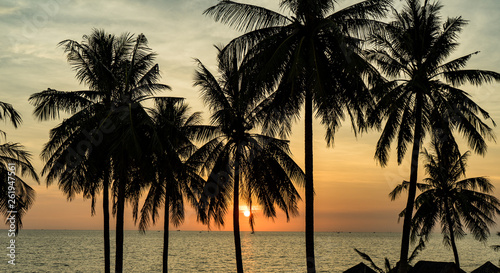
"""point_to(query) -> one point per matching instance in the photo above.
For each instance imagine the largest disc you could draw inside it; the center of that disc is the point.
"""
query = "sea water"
(195, 251)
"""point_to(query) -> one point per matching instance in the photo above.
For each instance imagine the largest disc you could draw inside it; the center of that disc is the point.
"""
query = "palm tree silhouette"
(456, 204)
(496, 247)
(76, 172)
(97, 60)
(423, 92)
(120, 73)
(14, 160)
(310, 58)
(175, 130)
(238, 158)
(388, 267)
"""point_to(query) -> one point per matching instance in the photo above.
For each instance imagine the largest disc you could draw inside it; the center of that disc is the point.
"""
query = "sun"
(246, 213)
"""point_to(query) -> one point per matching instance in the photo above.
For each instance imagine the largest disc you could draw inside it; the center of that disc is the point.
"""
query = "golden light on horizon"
(246, 213)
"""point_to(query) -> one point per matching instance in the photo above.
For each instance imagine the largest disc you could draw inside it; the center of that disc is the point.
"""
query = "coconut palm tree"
(238, 159)
(307, 59)
(456, 204)
(119, 72)
(97, 60)
(424, 92)
(15, 163)
(174, 180)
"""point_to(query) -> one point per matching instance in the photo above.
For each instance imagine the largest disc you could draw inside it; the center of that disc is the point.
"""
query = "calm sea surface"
(193, 251)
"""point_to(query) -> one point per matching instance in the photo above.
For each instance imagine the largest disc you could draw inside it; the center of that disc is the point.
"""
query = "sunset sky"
(351, 189)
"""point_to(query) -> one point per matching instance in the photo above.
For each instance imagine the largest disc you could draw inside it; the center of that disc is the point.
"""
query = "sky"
(351, 188)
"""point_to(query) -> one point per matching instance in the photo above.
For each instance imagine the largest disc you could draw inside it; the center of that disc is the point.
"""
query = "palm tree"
(310, 58)
(388, 267)
(120, 73)
(14, 163)
(456, 204)
(496, 247)
(424, 91)
(97, 60)
(175, 180)
(236, 159)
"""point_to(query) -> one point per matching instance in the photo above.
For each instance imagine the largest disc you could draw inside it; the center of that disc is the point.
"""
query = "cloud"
(30, 62)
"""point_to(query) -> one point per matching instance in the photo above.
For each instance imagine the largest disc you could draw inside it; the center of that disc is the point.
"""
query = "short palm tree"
(496, 247)
(424, 92)
(251, 165)
(120, 73)
(14, 163)
(388, 267)
(174, 180)
(309, 59)
(456, 204)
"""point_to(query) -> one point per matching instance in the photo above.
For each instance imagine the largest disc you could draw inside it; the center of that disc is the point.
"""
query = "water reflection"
(248, 251)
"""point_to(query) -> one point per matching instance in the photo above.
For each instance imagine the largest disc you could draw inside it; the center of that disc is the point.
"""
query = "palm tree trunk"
(452, 236)
(309, 186)
(165, 233)
(105, 207)
(120, 208)
(236, 211)
(417, 137)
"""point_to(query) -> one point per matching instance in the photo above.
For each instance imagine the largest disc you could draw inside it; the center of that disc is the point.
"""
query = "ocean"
(195, 251)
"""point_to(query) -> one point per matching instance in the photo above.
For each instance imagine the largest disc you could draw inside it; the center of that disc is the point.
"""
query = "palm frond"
(245, 17)
(49, 103)
(7, 111)
(475, 77)
(418, 249)
(367, 258)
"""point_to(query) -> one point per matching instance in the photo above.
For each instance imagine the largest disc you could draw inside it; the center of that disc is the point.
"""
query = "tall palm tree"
(97, 60)
(424, 92)
(239, 160)
(117, 71)
(309, 59)
(14, 163)
(140, 82)
(455, 203)
(174, 180)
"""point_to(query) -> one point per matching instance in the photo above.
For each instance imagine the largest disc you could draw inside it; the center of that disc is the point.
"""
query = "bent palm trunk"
(452, 236)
